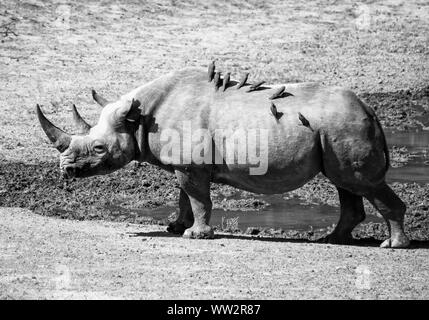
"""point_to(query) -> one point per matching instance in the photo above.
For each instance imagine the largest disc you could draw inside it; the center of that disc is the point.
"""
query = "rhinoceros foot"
(199, 232)
(399, 242)
(335, 238)
(176, 227)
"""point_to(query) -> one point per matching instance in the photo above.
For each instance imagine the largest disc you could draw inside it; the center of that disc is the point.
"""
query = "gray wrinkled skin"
(343, 140)
(108, 146)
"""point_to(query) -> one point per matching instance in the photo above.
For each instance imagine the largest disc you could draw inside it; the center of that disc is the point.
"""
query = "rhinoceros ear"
(135, 111)
(99, 99)
(130, 112)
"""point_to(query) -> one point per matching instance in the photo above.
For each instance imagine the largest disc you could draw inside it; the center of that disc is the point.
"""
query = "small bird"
(217, 80)
(304, 121)
(278, 93)
(243, 80)
(226, 81)
(274, 111)
(211, 71)
(255, 86)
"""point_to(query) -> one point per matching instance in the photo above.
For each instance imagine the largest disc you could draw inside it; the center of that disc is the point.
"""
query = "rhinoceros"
(307, 128)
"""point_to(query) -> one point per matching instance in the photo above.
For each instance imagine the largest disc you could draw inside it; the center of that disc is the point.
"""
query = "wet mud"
(123, 195)
(402, 109)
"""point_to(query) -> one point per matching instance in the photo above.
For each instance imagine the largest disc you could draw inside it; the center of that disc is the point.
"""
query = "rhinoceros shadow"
(362, 242)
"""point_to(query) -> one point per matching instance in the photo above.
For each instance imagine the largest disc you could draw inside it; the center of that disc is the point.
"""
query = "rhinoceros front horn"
(58, 137)
(81, 124)
(99, 99)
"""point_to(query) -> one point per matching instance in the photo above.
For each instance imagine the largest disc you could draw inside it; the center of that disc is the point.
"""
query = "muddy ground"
(53, 53)
(122, 195)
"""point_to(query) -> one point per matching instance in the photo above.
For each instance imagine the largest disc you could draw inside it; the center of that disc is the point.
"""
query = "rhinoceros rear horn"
(99, 99)
(81, 124)
(58, 137)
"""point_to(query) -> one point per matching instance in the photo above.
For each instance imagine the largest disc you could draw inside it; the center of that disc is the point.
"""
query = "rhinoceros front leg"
(196, 184)
(352, 213)
(185, 219)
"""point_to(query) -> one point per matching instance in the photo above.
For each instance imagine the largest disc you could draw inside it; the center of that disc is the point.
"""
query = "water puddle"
(284, 214)
(417, 168)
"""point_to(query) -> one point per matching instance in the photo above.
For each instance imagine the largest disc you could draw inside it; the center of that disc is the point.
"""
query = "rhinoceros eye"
(99, 148)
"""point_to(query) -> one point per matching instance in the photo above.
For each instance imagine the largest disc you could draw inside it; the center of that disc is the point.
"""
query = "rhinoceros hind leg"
(185, 219)
(393, 210)
(196, 184)
(199, 232)
(352, 213)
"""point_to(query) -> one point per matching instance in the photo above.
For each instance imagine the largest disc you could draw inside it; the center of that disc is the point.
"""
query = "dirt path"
(45, 257)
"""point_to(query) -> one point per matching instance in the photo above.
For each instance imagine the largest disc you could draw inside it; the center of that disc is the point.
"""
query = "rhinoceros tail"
(385, 147)
(370, 112)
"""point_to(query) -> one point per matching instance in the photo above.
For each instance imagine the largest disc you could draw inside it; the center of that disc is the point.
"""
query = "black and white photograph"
(214, 154)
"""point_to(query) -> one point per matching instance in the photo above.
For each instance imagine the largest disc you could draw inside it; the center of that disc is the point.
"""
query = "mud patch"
(119, 196)
(401, 110)
(39, 188)
(122, 195)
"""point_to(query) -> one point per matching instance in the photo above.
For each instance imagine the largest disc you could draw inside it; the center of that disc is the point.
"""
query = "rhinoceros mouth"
(68, 173)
